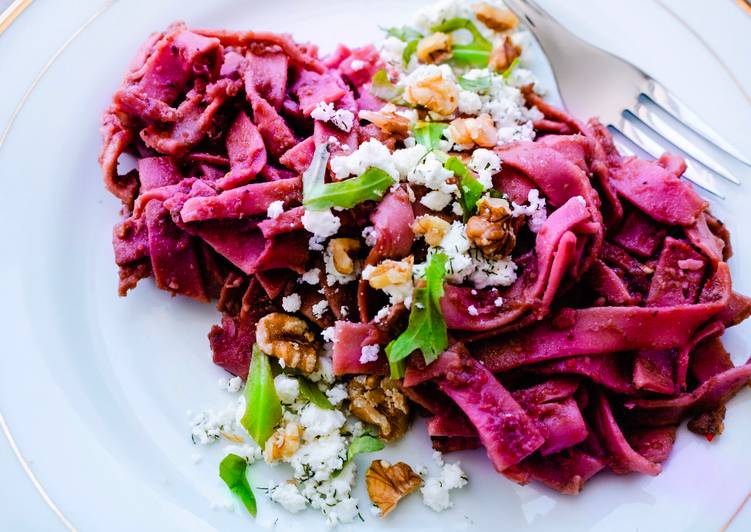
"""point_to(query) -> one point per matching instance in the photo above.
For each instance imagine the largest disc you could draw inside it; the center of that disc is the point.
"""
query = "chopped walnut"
(435, 48)
(710, 423)
(390, 272)
(432, 228)
(340, 249)
(288, 338)
(495, 18)
(434, 93)
(388, 121)
(491, 230)
(379, 401)
(503, 55)
(468, 131)
(283, 443)
(387, 484)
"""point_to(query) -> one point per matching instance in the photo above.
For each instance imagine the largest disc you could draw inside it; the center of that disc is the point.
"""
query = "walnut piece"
(435, 48)
(468, 131)
(379, 401)
(434, 93)
(503, 55)
(340, 249)
(390, 272)
(387, 484)
(491, 230)
(388, 121)
(495, 18)
(432, 228)
(283, 443)
(288, 338)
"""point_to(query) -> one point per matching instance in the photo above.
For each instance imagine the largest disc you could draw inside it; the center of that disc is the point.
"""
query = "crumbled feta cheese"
(291, 303)
(369, 353)
(311, 276)
(207, 427)
(370, 153)
(234, 384)
(344, 310)
(275, 209)
(343, 119)
(431, 173)
(469, 102)
(501, 272)
(329, 334)
(287, 388)
(435, 491)
(320, 308)
(337, 393)
(323, 111)
(318, 422)
(391, 50)
(436, 200)
(535, 210)
(457, 208)
(498, 302)
(250, 451)
(407, 158)
(322, 224)
(288, 496)
(357, 64)
(318, 458)
(486, 164)
(398, 293)
(370, 235)
(472, 310)
(324, 371)
(381, 314)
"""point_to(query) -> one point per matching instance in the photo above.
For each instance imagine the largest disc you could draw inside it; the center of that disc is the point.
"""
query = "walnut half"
(387, 484)
(491, 230)
(289, 339)
(379, 401)
(435, 48)
(388, 121)
(434, 93)
(283, 443)
(495, 18)
(468, 131)
(503, 55)
(340, 249)
(432, 228)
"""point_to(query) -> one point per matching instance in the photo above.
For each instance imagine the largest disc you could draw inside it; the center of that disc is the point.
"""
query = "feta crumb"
(535, 210)
(234, 385)
(370, 235)
(288, 496)
(324, 371)
(323, 111)
(472, 310)
(344, 311)
(435, 491)
(391, 51)
(318, 422)
(406, 159)
(431, 173)
(381, 314)
(329, 334)
(357, 64)
(275, 209)
(343, 119)
(498, 302)
(336, 394)
(436, 200)
(320, 308)
(291, 303)
(469, 102)
(369, 353)
(371, 153)
(311, 276)
(322, 224)
(287, 388)
(486, 163)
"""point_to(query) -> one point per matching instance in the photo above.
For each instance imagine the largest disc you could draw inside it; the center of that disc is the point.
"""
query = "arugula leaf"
(313, 394)
(370, 185)
(405, 33)
(507, 73)
(470, 188)
(314, 176)
(232, 472)
(455, 24)
(381, 87)
(426, 329)
(366, 443)
(470, 55)
(262, 406)
(475, 85)
(429, 134)
(409, 50)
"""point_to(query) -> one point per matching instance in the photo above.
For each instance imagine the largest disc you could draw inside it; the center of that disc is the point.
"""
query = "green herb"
(429, 134)
(426, 329)
(310, 391)
(263, 409)
(475, 85)
(381, 87)
(370, 185)
(455, 24)
(507, 73)
(466, 55)
(409, 50)
(470, 188)
(232, 472)
(405, 33)
(367, 443)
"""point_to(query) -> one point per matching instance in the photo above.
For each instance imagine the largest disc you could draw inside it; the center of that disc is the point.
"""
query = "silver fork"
(644, 116)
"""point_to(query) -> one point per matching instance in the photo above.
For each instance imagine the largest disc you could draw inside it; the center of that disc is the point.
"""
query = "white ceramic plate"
(94, 389)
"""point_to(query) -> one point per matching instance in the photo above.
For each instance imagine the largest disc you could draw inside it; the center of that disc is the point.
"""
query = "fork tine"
(668, 127)
(672, 105)
(694, 173)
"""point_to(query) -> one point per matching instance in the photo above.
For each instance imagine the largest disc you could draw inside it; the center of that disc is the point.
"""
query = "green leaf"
(232, 472)
(262, 406)
(381, 87)
(314, 176)
(405, 33)
(429, 134)
(454, 24)
(426, 329)
(507, 73)
(364, 444)
(475, 85)
(469, 55)
(470, 189)
(409, 50)
(370, 185)
(310, 391)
